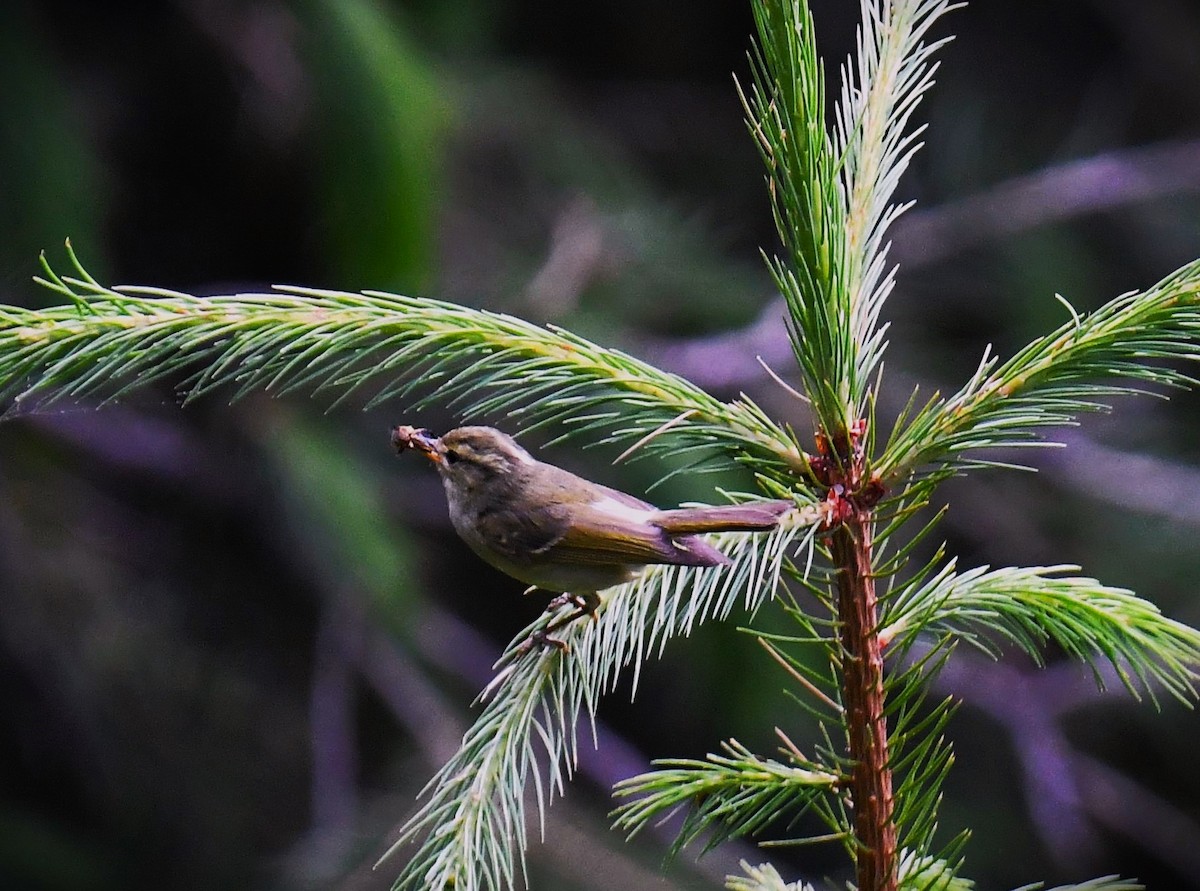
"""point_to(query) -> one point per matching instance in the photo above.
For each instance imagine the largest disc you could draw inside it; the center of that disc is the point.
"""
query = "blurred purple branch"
(725, 362)
(1058, 192)
(137, 442)
(1131, 480)
(577, 255)
(261, 39)
(1066, 790)
(1126, 807)
(332, 723)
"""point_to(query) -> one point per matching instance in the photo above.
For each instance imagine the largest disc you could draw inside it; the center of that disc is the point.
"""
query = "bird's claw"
(585, 605)
(543, 641)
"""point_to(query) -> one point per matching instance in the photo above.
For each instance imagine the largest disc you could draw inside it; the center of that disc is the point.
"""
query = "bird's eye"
(451, 456)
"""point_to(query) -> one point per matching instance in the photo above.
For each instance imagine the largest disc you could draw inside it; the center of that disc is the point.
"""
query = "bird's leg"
(585, 605)
(586, 602)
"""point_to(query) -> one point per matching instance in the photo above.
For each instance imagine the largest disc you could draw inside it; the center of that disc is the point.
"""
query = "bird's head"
(467, 455)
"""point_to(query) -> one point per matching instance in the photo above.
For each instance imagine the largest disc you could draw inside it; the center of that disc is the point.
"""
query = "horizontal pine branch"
(369, 347)
(1125, 346)
(1031, 607)
(471, 830)
(735, 794)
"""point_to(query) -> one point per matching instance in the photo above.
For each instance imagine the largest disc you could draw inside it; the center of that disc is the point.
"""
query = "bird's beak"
(420, 439)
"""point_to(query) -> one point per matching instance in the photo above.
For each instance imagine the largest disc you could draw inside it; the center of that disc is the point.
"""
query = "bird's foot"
(542, 640)
(585, 605)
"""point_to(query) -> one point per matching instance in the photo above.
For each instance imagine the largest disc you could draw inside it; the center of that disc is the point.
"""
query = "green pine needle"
(922, 873)
(831, 195)
(763, 877)
(1031, 607)
(1106, 883)
(474, 818)
(372, 348)
(735, 794)
(881, 88)
(1055, 378)
(785, 109)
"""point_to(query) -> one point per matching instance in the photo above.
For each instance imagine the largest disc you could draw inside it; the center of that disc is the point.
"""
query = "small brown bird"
(559, 532)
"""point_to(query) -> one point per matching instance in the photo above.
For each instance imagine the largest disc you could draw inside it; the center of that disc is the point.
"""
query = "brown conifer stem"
(862, 682)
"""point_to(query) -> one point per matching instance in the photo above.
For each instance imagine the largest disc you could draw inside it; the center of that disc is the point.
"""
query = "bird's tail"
(754, 516)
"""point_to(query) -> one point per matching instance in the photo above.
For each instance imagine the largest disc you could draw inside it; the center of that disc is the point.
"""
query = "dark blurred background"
(235, 640)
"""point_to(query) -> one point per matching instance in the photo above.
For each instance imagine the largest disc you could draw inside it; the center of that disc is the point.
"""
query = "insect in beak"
(419, 439)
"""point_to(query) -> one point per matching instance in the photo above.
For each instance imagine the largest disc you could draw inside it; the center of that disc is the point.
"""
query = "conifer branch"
(923, 873)
(1105, 883)
(1055, 378)
(372, 347)
(831, 197)
(785, 111)
(1033, 606)
(736, 794)
(882, 85)
(474, 818)
(763, 877)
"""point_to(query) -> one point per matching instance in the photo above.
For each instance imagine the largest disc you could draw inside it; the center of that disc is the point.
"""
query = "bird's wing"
(612, 531)
(522, 535)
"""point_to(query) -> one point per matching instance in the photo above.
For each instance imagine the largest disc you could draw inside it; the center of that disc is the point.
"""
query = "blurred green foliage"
(342, 522)
(381, 119)
(52, 181)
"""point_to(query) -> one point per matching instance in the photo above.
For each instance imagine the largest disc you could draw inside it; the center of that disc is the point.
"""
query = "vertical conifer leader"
(831, 196)
(843, 468)
(863, 694)
(851, 546)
